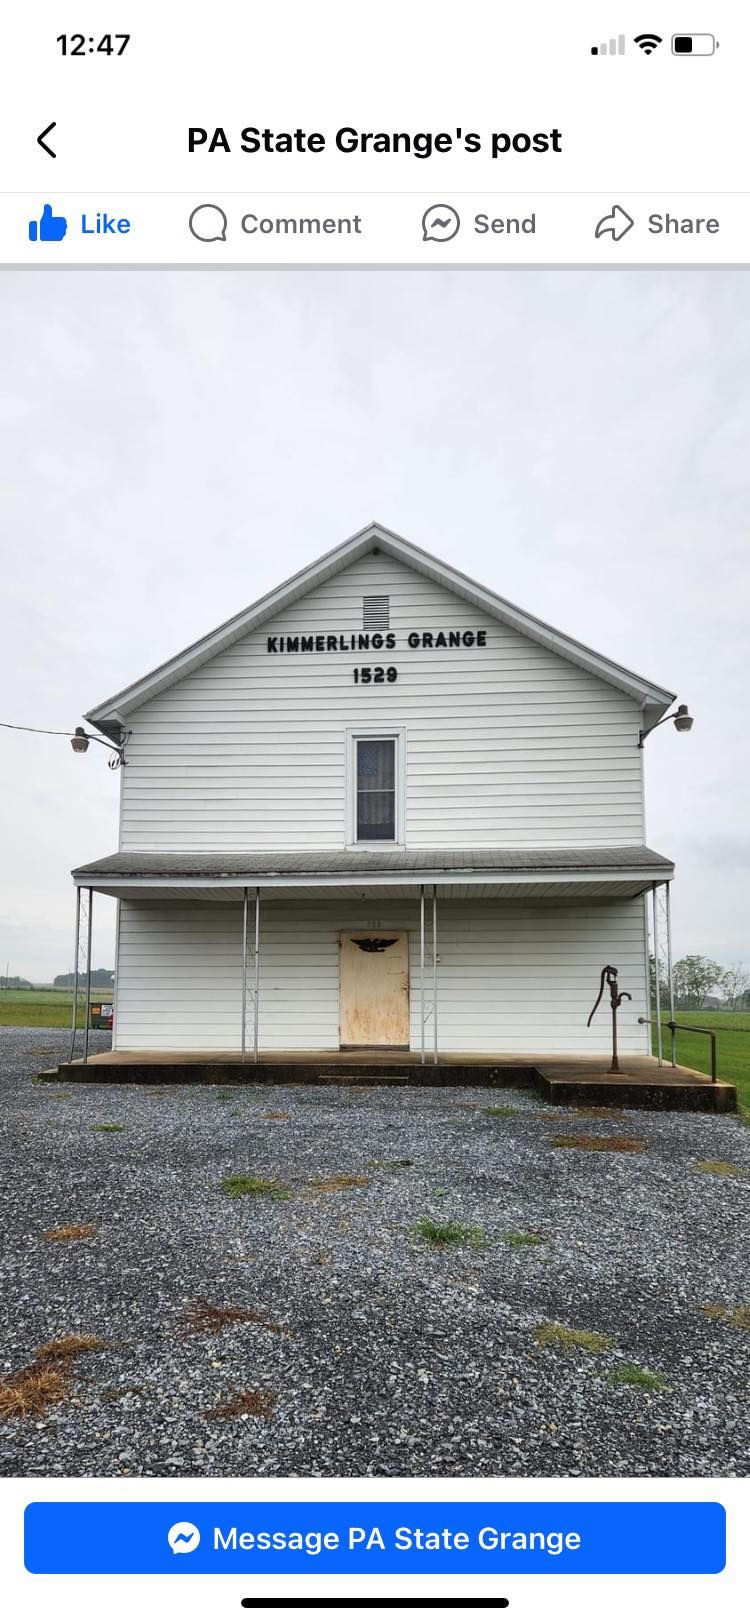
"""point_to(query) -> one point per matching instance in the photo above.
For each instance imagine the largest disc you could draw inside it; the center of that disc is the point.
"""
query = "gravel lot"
(373, 1352)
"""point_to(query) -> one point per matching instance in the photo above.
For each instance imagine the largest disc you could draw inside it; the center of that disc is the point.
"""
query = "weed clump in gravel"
(444, 1232)
(252, 1402)
(520, 1237)
(69, 1347)
(238, 1184)
(46, 1381)
(738, 1318)
(574, 1141)
(502, 1110)
(31, 1391)
(340, 1181)
(564, 1337)
(722, 1170)
(612, 1111)
(636, 1376)
(109, 1127)
(70, 1232)
(205, 1319)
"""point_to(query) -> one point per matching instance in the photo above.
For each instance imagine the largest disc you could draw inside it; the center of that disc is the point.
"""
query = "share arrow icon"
(616, 224)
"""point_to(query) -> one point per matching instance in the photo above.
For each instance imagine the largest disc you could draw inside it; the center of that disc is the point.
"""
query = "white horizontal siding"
(514, 978)
(506, 745)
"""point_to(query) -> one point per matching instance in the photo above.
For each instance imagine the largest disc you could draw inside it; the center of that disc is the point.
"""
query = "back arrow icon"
(617, 223)
(41, 141)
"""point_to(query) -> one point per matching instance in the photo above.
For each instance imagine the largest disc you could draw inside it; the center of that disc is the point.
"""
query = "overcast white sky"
(175, 443)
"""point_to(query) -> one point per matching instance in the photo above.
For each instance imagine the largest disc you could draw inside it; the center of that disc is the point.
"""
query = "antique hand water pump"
(609, 975)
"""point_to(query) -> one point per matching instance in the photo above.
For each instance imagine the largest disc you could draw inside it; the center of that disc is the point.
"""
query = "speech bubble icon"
(440, 223)
(182, 1538)
(208, 223)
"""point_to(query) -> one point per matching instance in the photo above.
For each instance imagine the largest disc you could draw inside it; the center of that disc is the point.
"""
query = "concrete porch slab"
(575, 1080)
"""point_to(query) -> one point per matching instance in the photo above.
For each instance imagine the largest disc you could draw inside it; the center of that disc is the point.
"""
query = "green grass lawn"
(37, 1008)
(732, 1047)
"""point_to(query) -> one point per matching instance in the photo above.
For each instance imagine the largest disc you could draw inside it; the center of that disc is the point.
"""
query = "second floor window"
(376, 789)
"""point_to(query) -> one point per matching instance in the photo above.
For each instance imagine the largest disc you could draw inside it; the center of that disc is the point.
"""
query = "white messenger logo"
(183, 1538)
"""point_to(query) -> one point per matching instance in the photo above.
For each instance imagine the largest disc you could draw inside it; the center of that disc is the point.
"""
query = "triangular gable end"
(111, 715)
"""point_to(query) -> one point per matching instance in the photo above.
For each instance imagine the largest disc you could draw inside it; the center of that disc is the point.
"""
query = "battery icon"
(694, 44)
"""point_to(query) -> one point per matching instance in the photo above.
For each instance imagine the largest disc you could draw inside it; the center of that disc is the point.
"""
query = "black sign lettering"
(351, 642)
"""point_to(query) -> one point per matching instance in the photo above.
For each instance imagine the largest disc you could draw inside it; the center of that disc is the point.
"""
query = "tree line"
(696, 979)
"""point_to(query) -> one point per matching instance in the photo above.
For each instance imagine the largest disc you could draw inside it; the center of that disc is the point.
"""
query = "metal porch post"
(257, 972)
(659, 1049)
(74, 1023)
(434, 978)
(672, 1034)
(88, 979)
(244, 971)
(421, 974)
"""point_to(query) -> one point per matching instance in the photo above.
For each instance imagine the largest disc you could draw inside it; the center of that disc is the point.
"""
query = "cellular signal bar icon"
(613, 47)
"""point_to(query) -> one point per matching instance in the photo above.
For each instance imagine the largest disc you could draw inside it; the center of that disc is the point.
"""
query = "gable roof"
(111, 715)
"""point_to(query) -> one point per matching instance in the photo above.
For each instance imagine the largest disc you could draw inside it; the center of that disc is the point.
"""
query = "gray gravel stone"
(384, 1356)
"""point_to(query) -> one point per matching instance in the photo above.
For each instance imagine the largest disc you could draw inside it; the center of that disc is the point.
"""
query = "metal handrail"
(707, 1031)
(682, 1026)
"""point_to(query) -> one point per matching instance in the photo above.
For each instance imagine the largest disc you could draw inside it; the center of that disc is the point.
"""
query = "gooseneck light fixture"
(80, 741)
(681, 717)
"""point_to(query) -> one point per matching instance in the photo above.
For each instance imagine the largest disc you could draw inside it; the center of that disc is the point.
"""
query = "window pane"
(376, 764)
(376, 815)
(376, 789)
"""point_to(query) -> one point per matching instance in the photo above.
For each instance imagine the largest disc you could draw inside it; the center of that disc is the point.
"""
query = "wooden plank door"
(374, 989)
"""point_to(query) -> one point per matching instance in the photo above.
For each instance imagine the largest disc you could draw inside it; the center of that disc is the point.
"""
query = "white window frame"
(353, 736)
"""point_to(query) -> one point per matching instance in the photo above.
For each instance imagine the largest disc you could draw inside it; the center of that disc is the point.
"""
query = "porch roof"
(503, 871)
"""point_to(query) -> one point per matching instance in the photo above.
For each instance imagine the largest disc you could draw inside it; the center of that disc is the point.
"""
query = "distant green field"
(732, 1046)
(55, 1008)
(35, 1008)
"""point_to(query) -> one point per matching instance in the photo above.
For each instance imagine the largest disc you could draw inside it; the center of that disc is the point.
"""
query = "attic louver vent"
(376, 614)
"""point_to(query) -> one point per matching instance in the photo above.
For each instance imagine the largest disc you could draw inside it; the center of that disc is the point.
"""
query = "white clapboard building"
(380, 808)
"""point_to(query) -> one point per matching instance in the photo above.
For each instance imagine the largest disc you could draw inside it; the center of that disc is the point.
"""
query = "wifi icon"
(647, 42)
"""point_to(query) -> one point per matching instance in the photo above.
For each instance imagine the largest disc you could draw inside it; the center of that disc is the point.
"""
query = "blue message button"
(387, 1537)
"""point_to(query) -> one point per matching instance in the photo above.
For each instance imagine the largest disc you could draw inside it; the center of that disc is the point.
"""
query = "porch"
(642, 1083)
(235, 960)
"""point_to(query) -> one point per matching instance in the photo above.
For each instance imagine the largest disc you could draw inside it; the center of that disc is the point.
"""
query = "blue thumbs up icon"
(51, 227)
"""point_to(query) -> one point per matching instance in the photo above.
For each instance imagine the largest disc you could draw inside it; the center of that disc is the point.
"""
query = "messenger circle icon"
(208, 223)
(440, 223)
(183, 1537)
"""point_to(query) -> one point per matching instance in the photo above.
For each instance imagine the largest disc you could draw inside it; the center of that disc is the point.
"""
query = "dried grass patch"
(46, 1381)
(611, 1111)
(613, 1142)
(252, 1402)
(277, 1116)
(69, 1347)
(207, 1319)
(721, 1170)
(70, 1232)
(340, 1181)
(738, 1318)
(31, 1391)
